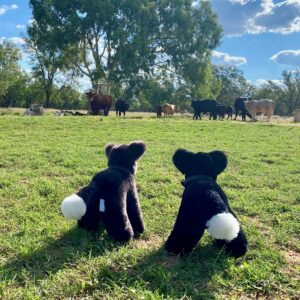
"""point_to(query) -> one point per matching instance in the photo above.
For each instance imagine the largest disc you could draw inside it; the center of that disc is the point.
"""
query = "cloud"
(283, 17)
(16, 40)
(254, 17)
(20, 26)
(5, 8)
(234, 15)
(225, 58)
(241, 2)
(260, 82)
(287, 57)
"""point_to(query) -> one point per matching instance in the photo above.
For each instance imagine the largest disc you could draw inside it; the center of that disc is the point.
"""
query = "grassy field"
(44, 256)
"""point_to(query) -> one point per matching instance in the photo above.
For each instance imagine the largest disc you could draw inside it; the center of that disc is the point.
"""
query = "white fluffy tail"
(73, 207)
(223, 226)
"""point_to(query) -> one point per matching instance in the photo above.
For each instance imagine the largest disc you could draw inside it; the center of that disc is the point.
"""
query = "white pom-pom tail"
(73, 207)
(223, 226)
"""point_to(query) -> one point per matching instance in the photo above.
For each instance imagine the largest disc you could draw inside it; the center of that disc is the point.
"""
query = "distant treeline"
(129, 50)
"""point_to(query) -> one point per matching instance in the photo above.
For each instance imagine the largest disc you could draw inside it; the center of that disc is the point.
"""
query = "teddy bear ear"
(182, 159)
(108, 148)
(220, 160)
(137, 149)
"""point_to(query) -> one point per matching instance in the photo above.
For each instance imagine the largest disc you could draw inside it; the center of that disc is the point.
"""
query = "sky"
(260, 37)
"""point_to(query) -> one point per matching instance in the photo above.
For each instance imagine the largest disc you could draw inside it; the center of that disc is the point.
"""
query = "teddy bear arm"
(134, 211)
(188, 229)
(116, 220)
(183, 241)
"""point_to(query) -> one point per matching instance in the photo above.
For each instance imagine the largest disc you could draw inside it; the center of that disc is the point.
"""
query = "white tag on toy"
(102, 205)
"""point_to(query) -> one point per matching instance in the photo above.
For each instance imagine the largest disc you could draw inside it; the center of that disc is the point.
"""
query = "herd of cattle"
(104, 102)
(243, 106)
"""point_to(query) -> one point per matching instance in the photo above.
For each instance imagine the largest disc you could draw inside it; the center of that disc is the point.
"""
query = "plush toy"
(204, 206)
(111, 197)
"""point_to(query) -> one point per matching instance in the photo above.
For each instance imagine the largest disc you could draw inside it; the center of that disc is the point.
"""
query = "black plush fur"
(201, 200)
(116, 185)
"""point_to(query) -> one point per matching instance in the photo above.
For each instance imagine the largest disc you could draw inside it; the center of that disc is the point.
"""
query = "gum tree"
(109, 41)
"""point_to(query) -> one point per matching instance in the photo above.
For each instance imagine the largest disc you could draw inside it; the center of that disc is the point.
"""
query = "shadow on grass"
(153, 273)
(57, 254)
(168, 277)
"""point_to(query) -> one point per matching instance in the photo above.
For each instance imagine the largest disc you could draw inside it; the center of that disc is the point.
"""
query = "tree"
(16, 90)
(291, 90)
(48, 63)
(69, 98)
(9, 68)
(232, 83)
(110, 41)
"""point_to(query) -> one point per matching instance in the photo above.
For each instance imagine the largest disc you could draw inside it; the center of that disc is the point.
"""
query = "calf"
(170, 109)
(159, 110)
(229, 111)
(221, 110)
(121, 106)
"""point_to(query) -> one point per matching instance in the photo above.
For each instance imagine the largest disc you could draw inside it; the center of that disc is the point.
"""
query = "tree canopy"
(9, 68)
(110, 41)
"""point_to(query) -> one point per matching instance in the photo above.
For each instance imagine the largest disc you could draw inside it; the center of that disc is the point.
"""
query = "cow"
(221, 110)
(121, 106)
(229, 111)
(204, 106)
(239, 105)
(99, 102)
(159, 111)
(34, 110)
(170, 109)
(265, 106)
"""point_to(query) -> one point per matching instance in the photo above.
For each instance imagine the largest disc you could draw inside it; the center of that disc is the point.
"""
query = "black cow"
(204, 106)
(121, 106)
(239, 105)
(221, 110)
(159, 111)
(229, 111)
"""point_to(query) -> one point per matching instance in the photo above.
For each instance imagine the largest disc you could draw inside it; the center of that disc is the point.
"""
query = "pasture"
(44, 256)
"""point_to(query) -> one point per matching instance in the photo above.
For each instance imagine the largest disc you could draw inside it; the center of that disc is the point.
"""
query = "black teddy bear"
(204, 206)
(111, 197)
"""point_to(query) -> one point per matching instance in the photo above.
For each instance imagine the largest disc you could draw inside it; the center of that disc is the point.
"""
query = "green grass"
(44, 256)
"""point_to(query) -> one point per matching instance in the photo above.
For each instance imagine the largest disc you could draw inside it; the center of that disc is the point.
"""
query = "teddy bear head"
(125, 156)
(209, 164)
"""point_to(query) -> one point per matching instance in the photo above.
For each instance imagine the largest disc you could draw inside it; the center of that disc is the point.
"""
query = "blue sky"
(261, 37)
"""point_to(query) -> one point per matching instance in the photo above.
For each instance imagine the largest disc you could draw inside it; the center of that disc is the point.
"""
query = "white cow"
(34, 110)
(265, 106)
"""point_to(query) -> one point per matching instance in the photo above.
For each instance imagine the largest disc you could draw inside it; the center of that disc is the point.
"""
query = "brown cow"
(99, 102)
(170, 109)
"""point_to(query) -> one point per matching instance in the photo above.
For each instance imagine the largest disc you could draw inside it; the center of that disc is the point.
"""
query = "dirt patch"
(148, 242)
(292, 257)
(170, 261)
